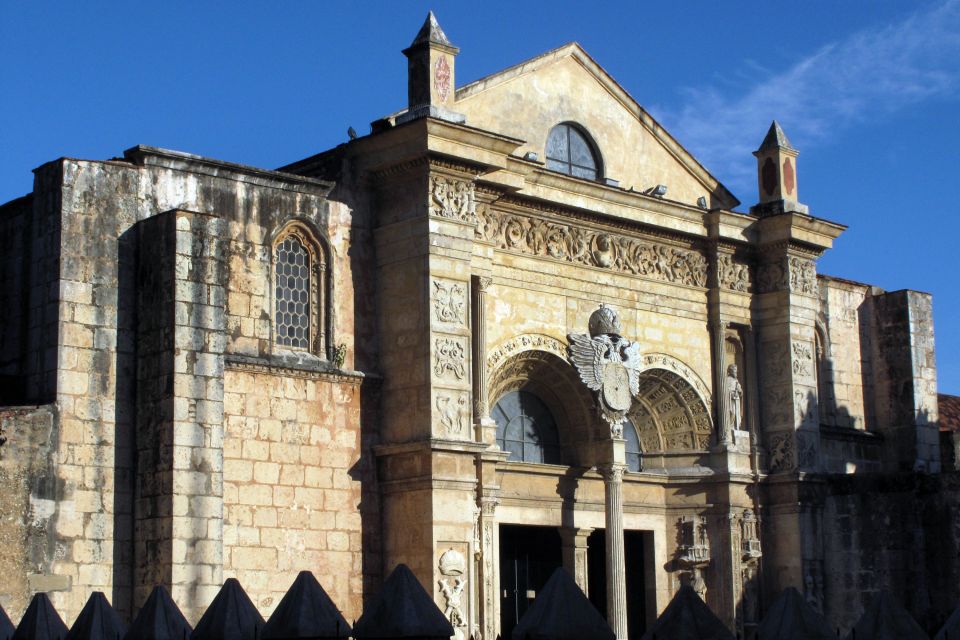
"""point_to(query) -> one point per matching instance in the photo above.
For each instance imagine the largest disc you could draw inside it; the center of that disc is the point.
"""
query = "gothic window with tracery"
(299, 268)
(570, 151)
(526, 429)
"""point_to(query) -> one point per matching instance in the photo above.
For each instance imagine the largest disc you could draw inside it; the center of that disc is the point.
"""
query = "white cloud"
(869, 75)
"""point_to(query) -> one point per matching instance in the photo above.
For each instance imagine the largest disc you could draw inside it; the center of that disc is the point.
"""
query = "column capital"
(483, 283)
(612, 471)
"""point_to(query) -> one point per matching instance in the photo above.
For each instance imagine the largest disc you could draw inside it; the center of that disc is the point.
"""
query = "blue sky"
(868, 91)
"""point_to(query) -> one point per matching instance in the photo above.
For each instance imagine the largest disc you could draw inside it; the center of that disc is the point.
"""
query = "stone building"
(370, 356)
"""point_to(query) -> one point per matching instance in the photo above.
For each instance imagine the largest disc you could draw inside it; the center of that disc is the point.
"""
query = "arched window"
(300, 291)
(526, 428)
(634, 462)
(570, 151)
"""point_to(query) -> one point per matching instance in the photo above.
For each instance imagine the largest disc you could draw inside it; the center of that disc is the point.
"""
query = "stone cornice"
(309, 371)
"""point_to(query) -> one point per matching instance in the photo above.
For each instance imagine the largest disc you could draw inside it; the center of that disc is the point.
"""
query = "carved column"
(616, 565)
(484, 427)
(489, 580)
(574, 546)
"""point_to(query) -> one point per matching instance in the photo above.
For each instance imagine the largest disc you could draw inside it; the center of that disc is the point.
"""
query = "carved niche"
(452, 198)
(570, 243)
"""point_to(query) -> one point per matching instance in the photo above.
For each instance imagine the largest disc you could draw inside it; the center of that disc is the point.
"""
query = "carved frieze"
(806, 450)
(776, 362)
(453, 413)
(449, 302)
(452, 198)
(733, 275)
(777, 406)
(450, 358)
(589, 247)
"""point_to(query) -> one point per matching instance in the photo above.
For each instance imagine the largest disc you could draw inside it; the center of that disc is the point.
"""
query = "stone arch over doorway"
(537, 364)
(670, 410)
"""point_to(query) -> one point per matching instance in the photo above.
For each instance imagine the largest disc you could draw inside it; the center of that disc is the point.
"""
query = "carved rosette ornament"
(609, 365)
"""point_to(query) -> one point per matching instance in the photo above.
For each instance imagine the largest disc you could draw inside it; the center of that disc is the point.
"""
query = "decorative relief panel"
(450, 358)
(578, 245)
(802, 360)
(781, 451)
(776, 362)
(777, 406)
(450, 302)
(803, 276)
(733, 275)
(796, 274)
(453, 414)
(451, 198)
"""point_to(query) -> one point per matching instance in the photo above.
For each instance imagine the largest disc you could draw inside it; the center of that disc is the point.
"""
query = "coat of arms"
(608, 364)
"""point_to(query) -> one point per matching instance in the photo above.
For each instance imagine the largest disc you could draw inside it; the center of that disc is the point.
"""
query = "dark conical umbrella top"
(159, 619)
(40, 621)
(97, 621)
(231, 616)
(6, 627)
(885, 619)
(791, 618)
(561, 612)
(306, 611)
(950, 628)
(687, 617)
(403, 609)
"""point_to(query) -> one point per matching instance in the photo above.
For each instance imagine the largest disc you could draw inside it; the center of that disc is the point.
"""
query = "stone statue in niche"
(735, 393)
(609, 365)
(750, 599)
(810, 593)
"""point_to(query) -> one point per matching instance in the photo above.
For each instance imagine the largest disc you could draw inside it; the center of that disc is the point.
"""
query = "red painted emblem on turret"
(788, 177)
(441, 79)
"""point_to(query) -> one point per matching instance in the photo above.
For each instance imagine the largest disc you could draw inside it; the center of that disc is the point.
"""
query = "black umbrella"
(561, 612)
(403, 609)
(687, 617)
(791, 618)
(159, 619)
(40, 622)
(231, 616)
(306, 611)
(885, 619)
(97, 621)
(950, 628)
(6, 627)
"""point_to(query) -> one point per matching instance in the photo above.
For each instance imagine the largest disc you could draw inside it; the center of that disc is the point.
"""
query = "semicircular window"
(526, 428)
(569, 151)
(632, 447)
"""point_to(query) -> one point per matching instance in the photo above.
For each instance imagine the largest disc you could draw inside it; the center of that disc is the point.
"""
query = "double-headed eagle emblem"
(608, 364)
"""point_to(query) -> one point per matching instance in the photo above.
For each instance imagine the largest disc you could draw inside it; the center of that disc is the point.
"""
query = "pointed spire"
(231, 616)
(775, 139)
(159, 619)
(431, 33)
(402, 609)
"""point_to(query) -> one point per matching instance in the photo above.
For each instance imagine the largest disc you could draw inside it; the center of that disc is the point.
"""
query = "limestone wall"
(917, 557)
(293, 486)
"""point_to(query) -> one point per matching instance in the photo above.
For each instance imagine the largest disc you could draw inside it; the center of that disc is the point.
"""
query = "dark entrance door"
(597, 575)
(528, 555)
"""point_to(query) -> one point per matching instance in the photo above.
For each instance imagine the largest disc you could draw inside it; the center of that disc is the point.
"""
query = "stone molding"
(534, 236)
(525, 342)
(271, 367)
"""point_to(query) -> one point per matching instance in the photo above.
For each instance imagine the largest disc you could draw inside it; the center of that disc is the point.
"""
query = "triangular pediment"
(566, 85)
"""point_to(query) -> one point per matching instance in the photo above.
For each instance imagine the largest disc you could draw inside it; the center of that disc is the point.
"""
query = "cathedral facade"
(517, 326)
